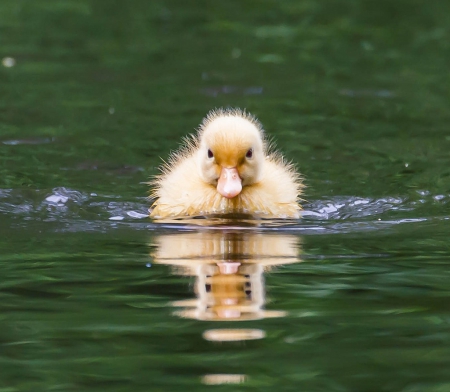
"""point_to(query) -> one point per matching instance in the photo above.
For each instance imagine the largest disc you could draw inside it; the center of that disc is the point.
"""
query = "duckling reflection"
(229, 268)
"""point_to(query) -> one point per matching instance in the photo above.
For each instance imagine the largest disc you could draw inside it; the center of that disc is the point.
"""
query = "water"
(94, 296)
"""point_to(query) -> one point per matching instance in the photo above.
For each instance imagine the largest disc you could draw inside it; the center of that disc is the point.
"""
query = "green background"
(356, 93)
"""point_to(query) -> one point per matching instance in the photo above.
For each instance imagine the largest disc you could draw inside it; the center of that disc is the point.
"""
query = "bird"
(228, 167)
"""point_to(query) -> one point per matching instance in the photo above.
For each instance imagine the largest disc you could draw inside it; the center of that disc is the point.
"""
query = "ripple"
(354, 207)
(35, 140)
(74, 210)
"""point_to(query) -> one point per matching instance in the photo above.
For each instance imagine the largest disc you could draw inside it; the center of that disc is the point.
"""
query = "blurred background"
(108, 83)
(93, 93)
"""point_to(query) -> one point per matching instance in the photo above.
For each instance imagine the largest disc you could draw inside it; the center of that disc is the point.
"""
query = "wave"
(75, 210)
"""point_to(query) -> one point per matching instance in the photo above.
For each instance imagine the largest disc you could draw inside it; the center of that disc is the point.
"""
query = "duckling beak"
(229, 184)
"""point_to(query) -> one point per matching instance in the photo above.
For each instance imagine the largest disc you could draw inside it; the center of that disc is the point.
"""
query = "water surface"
(94, 296)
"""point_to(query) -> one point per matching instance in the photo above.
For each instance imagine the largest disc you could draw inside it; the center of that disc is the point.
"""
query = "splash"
(75, 210)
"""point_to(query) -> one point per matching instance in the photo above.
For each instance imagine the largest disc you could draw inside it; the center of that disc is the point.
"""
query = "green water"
(96, 297)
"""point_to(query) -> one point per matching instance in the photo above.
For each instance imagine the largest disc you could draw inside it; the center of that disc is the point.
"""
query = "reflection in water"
(231, 335)
(217, 379)
(229, 268)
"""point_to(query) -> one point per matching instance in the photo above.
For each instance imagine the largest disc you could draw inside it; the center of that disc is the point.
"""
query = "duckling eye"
(249, 153)
(210, 154)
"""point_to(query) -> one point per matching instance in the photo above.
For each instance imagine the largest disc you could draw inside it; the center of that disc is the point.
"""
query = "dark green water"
(96, 297)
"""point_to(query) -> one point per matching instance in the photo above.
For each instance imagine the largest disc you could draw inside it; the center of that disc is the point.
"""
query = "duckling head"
(231, 151)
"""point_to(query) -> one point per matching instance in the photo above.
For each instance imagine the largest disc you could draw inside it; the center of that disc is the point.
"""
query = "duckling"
(228, 167)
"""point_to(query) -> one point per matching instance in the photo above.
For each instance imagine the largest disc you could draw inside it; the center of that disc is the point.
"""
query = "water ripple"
(354, 207)
(74, 210)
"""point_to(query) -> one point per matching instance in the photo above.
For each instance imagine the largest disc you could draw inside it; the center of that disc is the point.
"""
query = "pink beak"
(230, 184)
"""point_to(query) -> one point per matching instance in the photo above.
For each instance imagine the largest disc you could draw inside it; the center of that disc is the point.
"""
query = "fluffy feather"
(234, 140)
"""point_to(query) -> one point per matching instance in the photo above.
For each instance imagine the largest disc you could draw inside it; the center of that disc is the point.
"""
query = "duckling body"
(225, 169)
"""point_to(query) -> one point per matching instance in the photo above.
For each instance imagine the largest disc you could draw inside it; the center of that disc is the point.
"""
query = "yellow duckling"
(227, 168)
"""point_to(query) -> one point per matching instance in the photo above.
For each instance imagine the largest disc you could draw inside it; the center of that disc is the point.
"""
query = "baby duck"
(227, 168)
